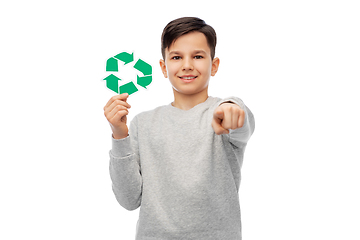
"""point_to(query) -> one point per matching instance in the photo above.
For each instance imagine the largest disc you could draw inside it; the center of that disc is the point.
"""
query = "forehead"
(190, 42)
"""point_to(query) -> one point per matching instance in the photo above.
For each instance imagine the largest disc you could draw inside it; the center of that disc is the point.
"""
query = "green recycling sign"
(112, 81)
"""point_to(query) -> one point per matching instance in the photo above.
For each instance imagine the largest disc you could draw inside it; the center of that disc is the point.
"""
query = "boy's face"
(188, 64)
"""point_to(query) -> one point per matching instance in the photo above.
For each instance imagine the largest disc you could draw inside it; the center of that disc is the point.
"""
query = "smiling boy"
(181, 162)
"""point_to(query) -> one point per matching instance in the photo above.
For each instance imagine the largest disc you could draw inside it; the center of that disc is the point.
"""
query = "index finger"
(121, 97)
(219, 114)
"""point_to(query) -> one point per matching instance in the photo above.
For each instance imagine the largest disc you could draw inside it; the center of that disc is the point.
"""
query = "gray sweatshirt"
(184, 176)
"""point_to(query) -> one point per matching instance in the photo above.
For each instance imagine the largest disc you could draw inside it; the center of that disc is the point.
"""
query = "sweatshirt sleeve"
(243, 134)
(125, 172)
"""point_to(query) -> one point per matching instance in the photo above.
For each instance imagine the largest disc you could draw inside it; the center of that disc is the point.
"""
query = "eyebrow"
(174, 52)
(195, 52)
(200, 51)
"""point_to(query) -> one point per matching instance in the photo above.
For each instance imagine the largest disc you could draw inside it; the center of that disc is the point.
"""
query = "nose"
(187, 64)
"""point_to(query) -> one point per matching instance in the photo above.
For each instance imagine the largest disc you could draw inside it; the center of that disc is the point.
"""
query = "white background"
(295, 64)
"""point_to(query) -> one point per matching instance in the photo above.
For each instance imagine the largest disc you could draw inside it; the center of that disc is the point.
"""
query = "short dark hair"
(181, 26)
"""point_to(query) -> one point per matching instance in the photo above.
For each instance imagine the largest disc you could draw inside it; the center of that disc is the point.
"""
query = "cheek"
(204, 68)
(172, 69)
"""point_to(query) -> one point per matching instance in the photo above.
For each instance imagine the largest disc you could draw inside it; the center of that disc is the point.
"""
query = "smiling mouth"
(188, 78)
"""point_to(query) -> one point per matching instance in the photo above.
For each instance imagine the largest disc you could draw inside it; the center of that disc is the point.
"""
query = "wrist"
(119, 136)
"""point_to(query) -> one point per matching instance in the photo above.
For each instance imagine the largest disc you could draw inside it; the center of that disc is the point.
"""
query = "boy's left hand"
(227, 116)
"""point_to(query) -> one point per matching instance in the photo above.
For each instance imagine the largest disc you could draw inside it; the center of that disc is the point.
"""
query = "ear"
(215, 66)
(163, 68)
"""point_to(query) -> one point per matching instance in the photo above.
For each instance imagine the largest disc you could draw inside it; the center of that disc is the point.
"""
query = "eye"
(198, 57)
(176, 57)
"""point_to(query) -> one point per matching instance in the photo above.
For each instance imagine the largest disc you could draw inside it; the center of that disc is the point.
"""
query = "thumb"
(218, 129)
(123, 96)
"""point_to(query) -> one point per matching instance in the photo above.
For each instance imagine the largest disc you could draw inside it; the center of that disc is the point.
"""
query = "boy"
(181, 162)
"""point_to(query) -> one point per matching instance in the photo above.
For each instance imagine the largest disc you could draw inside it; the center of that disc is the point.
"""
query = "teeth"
(188, 78)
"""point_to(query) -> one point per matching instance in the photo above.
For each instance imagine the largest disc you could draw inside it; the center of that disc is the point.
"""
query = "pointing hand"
(227, 116)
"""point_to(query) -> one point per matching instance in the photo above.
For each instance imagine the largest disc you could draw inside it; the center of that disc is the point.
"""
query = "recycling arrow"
(112, 65)
(144, 81)
(125, 57)
(143, 67)
(112, 82)
(130, 88)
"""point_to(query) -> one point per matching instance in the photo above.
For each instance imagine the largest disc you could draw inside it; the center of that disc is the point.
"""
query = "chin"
(188, 91)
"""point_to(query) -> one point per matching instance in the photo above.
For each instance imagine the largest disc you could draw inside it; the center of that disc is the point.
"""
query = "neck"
(187, 101)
